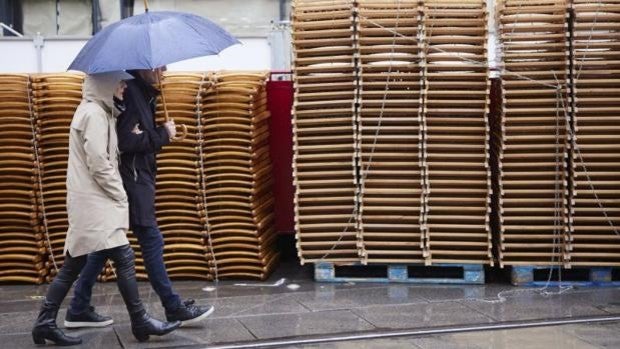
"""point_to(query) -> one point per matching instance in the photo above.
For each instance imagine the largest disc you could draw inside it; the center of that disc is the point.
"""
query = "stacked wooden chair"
(456, 140)
(55, 98)
(324, 131)
(534, 174)
(22, 240)
(237, 182)
(214, 198)
(596, 152)
(180, 210)
(390, 131)
(179, 206)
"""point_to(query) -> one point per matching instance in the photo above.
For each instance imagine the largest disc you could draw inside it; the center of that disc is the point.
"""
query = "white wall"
(19, 56)
(58, 54)
(493, 42)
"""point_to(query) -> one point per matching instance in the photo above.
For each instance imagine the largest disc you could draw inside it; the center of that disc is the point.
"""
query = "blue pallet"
(473, 274)
(597, 276)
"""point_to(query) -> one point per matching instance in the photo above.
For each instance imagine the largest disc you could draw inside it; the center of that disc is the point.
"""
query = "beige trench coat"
(96, 201)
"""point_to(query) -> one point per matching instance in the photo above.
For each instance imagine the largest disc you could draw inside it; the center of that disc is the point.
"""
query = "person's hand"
(136, 130)
(123, 202)
(171, 128)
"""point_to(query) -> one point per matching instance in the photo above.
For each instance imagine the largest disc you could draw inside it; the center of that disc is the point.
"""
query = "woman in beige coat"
(98, 211)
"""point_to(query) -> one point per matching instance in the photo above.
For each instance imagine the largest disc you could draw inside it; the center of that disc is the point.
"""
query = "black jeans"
(123, 258)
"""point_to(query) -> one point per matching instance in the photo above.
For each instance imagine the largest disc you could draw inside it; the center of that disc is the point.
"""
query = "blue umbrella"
(151, 40)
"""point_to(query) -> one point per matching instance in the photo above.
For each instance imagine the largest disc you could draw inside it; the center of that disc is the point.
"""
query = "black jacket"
(138, 163)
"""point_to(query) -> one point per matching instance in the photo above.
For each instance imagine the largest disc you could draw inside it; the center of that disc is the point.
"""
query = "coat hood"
(99, 88)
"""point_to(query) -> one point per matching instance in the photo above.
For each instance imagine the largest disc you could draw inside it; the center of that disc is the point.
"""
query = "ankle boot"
(144, 325)
(45, 328)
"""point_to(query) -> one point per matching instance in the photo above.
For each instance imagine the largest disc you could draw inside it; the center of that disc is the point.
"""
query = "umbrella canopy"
(151, 40)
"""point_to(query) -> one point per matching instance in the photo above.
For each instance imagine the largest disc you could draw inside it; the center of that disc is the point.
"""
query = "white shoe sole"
(77, 324)
(199, 318)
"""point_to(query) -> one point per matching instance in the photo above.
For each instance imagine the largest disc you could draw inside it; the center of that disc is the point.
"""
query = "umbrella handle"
(183, 134)
(166, 116)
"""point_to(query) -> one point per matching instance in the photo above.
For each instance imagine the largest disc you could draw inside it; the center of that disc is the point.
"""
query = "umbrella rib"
(149, 41)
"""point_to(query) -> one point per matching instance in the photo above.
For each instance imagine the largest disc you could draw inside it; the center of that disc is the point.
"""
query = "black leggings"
(123, 259)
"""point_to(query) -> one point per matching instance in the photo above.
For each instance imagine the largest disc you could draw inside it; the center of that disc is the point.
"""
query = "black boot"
(45, 328)
(142, 324)
(145, 326)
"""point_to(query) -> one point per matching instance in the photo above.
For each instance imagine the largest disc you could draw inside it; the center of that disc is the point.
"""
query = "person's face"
(151, 76)
(120, 89)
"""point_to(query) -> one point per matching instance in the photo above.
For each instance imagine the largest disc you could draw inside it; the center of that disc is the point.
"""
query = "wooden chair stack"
(55, 98)
(237, 182)
(22, 241)
(596, 78)
(324, 131)
(180, 210)
(179, 206)
(215, 184)
(390, 132)
(533, 169)
(456, 151)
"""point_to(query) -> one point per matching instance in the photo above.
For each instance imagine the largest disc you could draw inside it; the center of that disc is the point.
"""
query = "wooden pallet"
(471, 274)
(537, 276)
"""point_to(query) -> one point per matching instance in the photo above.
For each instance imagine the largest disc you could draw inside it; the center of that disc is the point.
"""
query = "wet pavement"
(588, 336)
(245, 314)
